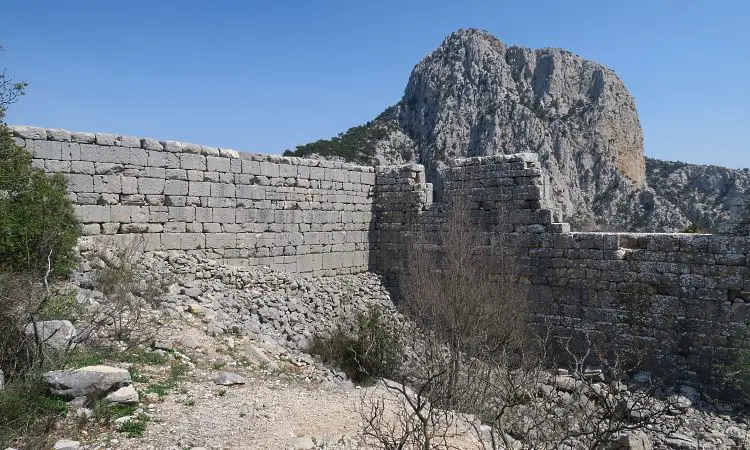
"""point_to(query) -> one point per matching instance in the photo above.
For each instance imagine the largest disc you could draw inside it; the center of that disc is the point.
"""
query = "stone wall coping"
(494, 159)
(115, 140)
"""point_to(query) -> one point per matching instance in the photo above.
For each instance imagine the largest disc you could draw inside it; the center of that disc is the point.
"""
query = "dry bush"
(474, 355)
(123, 313)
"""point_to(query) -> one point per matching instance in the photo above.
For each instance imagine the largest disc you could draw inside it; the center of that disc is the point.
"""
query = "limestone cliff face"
(715, 198)
(474, 95)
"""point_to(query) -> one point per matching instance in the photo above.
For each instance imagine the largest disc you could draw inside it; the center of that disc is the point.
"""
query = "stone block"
(221, 240)
(176, 174)
(250, 167)
(45, 149)
(269, 169)
(80, 183)
(170, 241)
(235, 165)
(287, 171)
(105, 139)
(135, 156)
(253, 192)
(70, 151)
(129, 185)
(223, 215)
(203, 214)
(93, 213)
(181, 213)
(86, 167)
(176, 187)
(30, 132)
(192, 241)
(175, 227)
(151, 144)
(199, 188)
(53, 166)
(90, 229)
(158, 214)
(222, 190)
(107, 184)
(158, 158)
(173, 146)
(217, 164)
(192, 162)
(151, 186)
(83, 138)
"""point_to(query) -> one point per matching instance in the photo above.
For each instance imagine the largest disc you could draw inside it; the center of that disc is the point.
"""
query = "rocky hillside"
(705, 194)
(474, 95)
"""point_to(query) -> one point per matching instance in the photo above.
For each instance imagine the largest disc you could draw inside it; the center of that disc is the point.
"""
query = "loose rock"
(86, 381)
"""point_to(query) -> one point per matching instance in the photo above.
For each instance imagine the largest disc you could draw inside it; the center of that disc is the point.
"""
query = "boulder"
(87, 381)
(634, 440)
(126, 395)
(303, 443)
(228, 379)
(55, 334)
(67, 444)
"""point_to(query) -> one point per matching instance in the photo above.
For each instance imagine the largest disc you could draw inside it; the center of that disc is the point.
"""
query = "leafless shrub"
(472, 354)
(123, 313)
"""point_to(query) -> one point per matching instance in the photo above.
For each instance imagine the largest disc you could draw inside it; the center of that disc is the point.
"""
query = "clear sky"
(266, 76)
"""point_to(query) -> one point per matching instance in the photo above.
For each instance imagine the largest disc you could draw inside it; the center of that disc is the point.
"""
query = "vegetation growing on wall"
(356, 145)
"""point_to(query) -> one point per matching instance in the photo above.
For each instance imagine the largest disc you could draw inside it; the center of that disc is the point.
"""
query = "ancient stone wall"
(739, 216)
(298, 215)
(683, 299)
(680, 300)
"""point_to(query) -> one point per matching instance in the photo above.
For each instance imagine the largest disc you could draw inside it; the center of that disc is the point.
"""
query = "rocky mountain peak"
(475, 95)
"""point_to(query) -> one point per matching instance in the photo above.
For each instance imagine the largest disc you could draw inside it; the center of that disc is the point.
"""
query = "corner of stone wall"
(739, 216)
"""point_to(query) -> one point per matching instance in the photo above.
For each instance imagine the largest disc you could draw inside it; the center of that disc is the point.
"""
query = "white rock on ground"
(67, 444)
(55, 334)
(126, 395)
(228, 379)
(86, 381)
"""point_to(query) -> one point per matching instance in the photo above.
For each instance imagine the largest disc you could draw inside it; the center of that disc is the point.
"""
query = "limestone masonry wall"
(682, 298)
(298, 215)
(739, 219)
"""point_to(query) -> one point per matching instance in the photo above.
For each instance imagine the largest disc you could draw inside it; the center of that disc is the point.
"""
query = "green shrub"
(38, 224)
(373, 350)
(692, 228)
(26, 412)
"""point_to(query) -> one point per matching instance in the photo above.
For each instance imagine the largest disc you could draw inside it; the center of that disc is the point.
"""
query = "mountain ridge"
(475, 95)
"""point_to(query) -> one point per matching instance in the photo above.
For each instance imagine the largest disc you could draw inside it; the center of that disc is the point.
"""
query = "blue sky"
(266, 76)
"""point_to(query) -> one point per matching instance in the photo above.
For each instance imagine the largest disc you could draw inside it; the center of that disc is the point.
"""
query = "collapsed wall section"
(298, 215)
(679, 301)
(505, 194)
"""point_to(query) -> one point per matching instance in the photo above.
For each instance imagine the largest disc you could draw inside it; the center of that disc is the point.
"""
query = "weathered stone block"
(199, 188)
(181, 213)
(221, 240)
(176, 187)
(217, 164)
(93, 213)
(151, 186)
(219, 190)
(269, 169)
(107, 184)
(192, 241)
(80, 183)
(192, 162)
